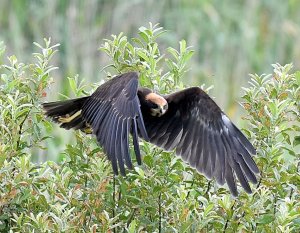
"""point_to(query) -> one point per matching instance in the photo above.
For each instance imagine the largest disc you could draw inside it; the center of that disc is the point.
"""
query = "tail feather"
(67, 113)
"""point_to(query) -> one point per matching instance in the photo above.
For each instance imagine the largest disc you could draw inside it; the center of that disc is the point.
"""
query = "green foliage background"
(80, 194)
(230, 38)
(74, 190)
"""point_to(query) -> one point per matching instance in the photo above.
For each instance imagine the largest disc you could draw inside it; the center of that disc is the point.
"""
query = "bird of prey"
(187, 121)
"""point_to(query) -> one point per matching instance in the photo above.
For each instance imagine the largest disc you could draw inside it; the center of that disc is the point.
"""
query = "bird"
(187, 121)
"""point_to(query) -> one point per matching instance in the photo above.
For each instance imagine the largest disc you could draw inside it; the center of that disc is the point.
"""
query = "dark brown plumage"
(188, 121)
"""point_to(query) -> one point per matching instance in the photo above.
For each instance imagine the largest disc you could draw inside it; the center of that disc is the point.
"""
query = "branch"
(20, 129)
(131, 217)
(227, 221)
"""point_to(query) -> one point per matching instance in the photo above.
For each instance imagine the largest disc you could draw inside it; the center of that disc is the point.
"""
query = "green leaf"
(72, 84)
(296, 141)
(208, 209)
(273, 108)
(141, 54)
(182, 46)
(187, 56)
(266, 219)
(3, 156)
(140, 172)
(173, 52)
(144, 36)
(132, 226)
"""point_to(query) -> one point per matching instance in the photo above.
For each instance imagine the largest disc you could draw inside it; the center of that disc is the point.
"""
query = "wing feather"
(220, 160)
(125, 144)
(113, 110)
(135, 142)
(210, 166)
(194, 151)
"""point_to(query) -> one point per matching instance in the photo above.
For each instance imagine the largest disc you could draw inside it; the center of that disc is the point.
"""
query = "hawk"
(187, 121)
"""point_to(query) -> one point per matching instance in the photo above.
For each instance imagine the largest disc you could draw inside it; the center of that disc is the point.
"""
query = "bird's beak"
(163, 108)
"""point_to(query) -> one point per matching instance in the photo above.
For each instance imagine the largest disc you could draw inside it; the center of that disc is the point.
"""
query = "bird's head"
(158, 105)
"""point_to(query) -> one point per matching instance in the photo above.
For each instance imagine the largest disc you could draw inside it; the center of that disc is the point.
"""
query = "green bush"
(80, 193)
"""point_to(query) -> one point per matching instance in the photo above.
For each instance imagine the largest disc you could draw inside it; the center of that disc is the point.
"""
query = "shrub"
(80, 194)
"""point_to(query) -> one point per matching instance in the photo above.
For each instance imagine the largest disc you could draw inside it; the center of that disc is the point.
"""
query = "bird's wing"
(113, 111)
(205, 138)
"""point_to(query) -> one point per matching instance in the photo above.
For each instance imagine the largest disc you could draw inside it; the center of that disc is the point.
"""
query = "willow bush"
(80, 193)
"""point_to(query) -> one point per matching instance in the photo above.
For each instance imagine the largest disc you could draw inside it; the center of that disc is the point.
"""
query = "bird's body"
(188, 121)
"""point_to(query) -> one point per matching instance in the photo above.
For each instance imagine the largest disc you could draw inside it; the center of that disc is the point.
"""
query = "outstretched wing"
(113, 111)
(204, 137)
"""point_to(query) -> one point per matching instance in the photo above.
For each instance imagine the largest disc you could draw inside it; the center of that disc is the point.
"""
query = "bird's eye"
(153, 105)
(165, 107)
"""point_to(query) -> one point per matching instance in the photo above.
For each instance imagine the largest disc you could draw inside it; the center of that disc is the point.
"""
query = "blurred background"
(231, 38)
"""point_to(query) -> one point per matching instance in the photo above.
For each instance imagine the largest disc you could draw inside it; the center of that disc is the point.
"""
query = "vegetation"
(231, 39)
(80, 194)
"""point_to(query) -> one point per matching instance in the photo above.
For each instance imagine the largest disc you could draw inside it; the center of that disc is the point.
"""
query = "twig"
(261, 177)
(131, 217)
(227, 221)
(193, 181)
(208, 187)
(275, 203)
(243, 215)
(20, 129)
